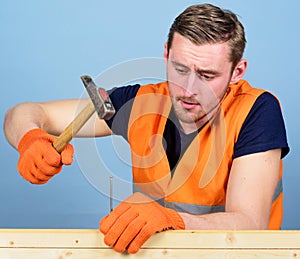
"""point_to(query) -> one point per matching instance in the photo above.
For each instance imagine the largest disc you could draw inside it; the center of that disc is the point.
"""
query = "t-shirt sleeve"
(122, 99)
(263, 128)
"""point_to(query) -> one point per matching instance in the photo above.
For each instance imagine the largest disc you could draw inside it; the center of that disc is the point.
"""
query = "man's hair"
(208, 24)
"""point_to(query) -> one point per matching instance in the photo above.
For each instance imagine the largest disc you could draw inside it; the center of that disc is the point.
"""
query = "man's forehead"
(206, 55)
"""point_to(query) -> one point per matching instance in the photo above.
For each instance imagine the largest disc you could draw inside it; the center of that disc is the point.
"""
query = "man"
(206, 147)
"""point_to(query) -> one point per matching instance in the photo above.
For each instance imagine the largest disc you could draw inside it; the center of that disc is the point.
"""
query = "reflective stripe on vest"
(197, 209)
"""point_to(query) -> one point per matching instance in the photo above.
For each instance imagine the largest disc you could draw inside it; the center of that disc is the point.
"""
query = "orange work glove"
(39, 161)
(135, 220)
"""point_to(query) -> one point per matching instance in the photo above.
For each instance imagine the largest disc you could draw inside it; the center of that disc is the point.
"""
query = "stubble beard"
(198, 116)
(195, 118)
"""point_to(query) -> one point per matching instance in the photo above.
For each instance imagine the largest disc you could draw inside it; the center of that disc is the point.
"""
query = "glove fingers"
(44, 168)
(146, 232)
(34, 168)
(43, 175)
(129, 234)
(119, 227)
(107, 222)
(26, 172)
(44, 162)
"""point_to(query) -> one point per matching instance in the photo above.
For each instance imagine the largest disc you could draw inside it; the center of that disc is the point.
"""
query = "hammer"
(99, 102)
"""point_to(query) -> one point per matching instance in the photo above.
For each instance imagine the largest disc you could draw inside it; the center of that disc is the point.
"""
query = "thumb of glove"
(67, 155)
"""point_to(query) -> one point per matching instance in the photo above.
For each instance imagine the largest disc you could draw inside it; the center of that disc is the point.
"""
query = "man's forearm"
(220, 221)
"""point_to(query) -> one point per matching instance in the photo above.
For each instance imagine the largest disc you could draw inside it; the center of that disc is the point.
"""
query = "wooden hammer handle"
(71, 130)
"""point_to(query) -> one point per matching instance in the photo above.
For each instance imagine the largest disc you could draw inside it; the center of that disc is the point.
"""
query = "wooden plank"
(72, 243)
(23, 253)
(82, 238)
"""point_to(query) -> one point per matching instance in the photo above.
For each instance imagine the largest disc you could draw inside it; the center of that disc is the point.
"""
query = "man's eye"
(206, 77)
(181, 71)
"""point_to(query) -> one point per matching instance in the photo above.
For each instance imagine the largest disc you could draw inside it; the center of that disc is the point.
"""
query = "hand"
(39, 161)
(135, 220)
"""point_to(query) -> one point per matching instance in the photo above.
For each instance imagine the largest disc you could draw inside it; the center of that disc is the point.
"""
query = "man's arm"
(252, 182)
(53, 117)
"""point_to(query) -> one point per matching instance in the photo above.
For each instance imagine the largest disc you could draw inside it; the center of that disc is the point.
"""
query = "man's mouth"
(188, 104)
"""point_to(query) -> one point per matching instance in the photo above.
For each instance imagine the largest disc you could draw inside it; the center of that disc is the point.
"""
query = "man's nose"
(191, 83)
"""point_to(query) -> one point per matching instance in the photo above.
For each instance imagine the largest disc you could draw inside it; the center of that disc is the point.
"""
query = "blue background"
(47, 45)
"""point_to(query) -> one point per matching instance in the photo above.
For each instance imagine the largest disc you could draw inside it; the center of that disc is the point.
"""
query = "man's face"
(198, 77)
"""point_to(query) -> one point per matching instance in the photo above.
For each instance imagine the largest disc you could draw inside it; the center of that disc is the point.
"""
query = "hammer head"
(99, 97)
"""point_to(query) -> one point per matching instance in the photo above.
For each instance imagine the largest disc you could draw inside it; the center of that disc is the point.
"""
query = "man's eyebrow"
(208, 71)
(180, 65)
(198, 70)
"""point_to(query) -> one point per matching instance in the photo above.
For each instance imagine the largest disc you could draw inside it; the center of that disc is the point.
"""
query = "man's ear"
(166, 52)
(239, 71)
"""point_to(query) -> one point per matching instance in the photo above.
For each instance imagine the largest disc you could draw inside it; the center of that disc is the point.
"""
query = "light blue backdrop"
(47, 45)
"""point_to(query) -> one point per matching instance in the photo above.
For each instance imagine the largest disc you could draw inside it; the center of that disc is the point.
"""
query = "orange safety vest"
(199, 183)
